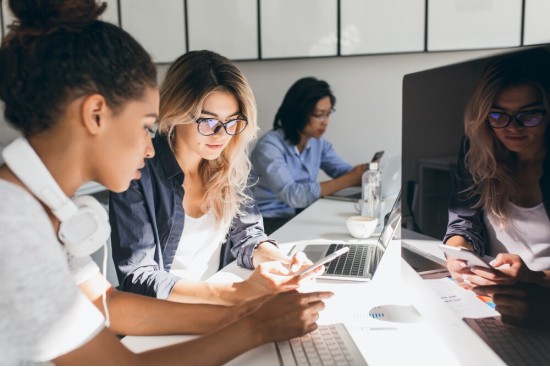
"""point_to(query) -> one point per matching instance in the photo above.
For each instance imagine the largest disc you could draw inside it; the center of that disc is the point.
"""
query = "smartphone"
(471, 258)
(321, 261)
(377, 156)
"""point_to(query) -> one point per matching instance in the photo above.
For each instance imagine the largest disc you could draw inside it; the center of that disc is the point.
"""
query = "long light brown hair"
(189, 80)
(488, 160)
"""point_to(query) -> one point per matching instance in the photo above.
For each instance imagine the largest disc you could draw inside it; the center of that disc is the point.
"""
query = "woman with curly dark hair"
(83, 94)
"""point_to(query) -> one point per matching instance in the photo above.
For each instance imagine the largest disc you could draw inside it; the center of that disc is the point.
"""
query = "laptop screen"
(392, 221)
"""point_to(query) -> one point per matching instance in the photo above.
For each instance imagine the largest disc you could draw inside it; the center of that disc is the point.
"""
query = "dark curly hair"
(299, 102)
(57, 51)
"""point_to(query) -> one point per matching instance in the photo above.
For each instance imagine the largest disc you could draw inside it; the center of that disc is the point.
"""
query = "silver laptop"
(347, 194)
(361, 261)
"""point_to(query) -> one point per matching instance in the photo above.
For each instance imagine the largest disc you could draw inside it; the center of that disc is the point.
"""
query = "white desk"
(439, 337)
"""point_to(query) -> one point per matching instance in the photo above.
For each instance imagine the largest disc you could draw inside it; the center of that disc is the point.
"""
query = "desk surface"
(439, 337)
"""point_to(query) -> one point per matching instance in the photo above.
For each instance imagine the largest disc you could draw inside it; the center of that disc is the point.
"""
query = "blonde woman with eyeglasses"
(501, 204)
(191, 212)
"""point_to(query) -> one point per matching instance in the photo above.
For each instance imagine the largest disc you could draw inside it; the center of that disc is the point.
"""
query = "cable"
(105, 284)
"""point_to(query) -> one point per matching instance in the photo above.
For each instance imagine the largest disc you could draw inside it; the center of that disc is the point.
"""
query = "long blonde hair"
(189, 80)
(489, 162)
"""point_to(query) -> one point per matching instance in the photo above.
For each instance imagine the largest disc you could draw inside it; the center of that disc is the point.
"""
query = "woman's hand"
(299, 262)
(275, 276)
(459, 269)
(522, 304)
(460, 272)
(287, 315)
(507, 269)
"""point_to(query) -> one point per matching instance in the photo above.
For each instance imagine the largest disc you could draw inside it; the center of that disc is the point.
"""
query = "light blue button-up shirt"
(286, 179)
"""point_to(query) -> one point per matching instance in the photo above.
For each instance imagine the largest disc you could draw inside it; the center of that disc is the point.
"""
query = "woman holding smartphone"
(191, 212)
(83, 93)
(501, 205)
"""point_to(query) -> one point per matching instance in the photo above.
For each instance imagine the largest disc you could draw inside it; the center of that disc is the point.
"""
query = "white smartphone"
(321, 261)
(471, 258)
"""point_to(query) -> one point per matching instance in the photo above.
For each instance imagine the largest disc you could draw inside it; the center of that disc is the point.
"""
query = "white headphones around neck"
(84, 222)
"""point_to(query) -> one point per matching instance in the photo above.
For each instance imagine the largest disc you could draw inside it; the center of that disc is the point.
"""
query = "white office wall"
(537, 25)
(216, 24)
(157, 25)
(7, 15)
(111, 13)
(381, 26)
(301, 28)
(473, 24)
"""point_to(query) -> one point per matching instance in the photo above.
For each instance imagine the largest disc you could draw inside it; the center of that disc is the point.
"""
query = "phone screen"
(471, 258)
(322, 261)
(377, 156)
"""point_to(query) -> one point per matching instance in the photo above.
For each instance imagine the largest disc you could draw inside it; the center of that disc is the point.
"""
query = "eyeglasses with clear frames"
(500, 120)
(322, 117)
(209, 126)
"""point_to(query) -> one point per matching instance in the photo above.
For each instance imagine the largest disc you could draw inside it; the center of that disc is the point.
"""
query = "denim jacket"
(147, 222)
(467, 221)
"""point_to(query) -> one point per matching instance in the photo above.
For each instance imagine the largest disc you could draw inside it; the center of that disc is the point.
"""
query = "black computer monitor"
(434, 101)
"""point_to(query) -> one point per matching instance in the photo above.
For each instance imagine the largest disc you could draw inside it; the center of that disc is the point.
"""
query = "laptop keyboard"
(352, 262)
(516, 346)
(329, 345)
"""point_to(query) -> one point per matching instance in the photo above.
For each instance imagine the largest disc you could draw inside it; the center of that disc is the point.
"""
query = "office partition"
(217, 24)
(158, 25)
(381, 26)
(473, 24)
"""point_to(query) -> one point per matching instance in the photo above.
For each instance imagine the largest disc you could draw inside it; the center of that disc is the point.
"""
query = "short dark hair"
(58, 51)
(298, 104)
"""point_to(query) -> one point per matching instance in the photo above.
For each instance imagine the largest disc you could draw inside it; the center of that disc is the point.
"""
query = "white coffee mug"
(360, 226)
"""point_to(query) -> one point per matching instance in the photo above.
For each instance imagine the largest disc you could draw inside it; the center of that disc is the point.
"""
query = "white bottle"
(371, 193)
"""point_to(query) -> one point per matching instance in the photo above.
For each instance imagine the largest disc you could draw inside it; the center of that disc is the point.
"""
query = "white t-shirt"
(198, 253)
(527, 234)
(43, 314)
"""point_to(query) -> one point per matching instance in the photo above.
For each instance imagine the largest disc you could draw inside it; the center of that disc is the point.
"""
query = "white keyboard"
(329, 345)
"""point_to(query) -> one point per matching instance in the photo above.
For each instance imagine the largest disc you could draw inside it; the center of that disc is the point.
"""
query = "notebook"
(362, 259)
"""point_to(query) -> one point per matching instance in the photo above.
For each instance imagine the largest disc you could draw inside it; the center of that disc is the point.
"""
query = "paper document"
(465, 303)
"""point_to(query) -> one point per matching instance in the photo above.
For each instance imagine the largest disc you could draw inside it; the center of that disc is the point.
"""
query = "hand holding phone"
(302, 273)
(462, 253)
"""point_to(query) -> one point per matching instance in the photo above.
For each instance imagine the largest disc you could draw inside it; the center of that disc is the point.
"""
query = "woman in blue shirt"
(191, 212)
(286, 161)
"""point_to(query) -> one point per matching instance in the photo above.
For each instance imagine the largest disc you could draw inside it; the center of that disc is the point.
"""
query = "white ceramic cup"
(360, 226)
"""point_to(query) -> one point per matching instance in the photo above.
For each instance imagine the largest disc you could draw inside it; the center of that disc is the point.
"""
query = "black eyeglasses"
(499, 120)
(323, 117)
(209, 126)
